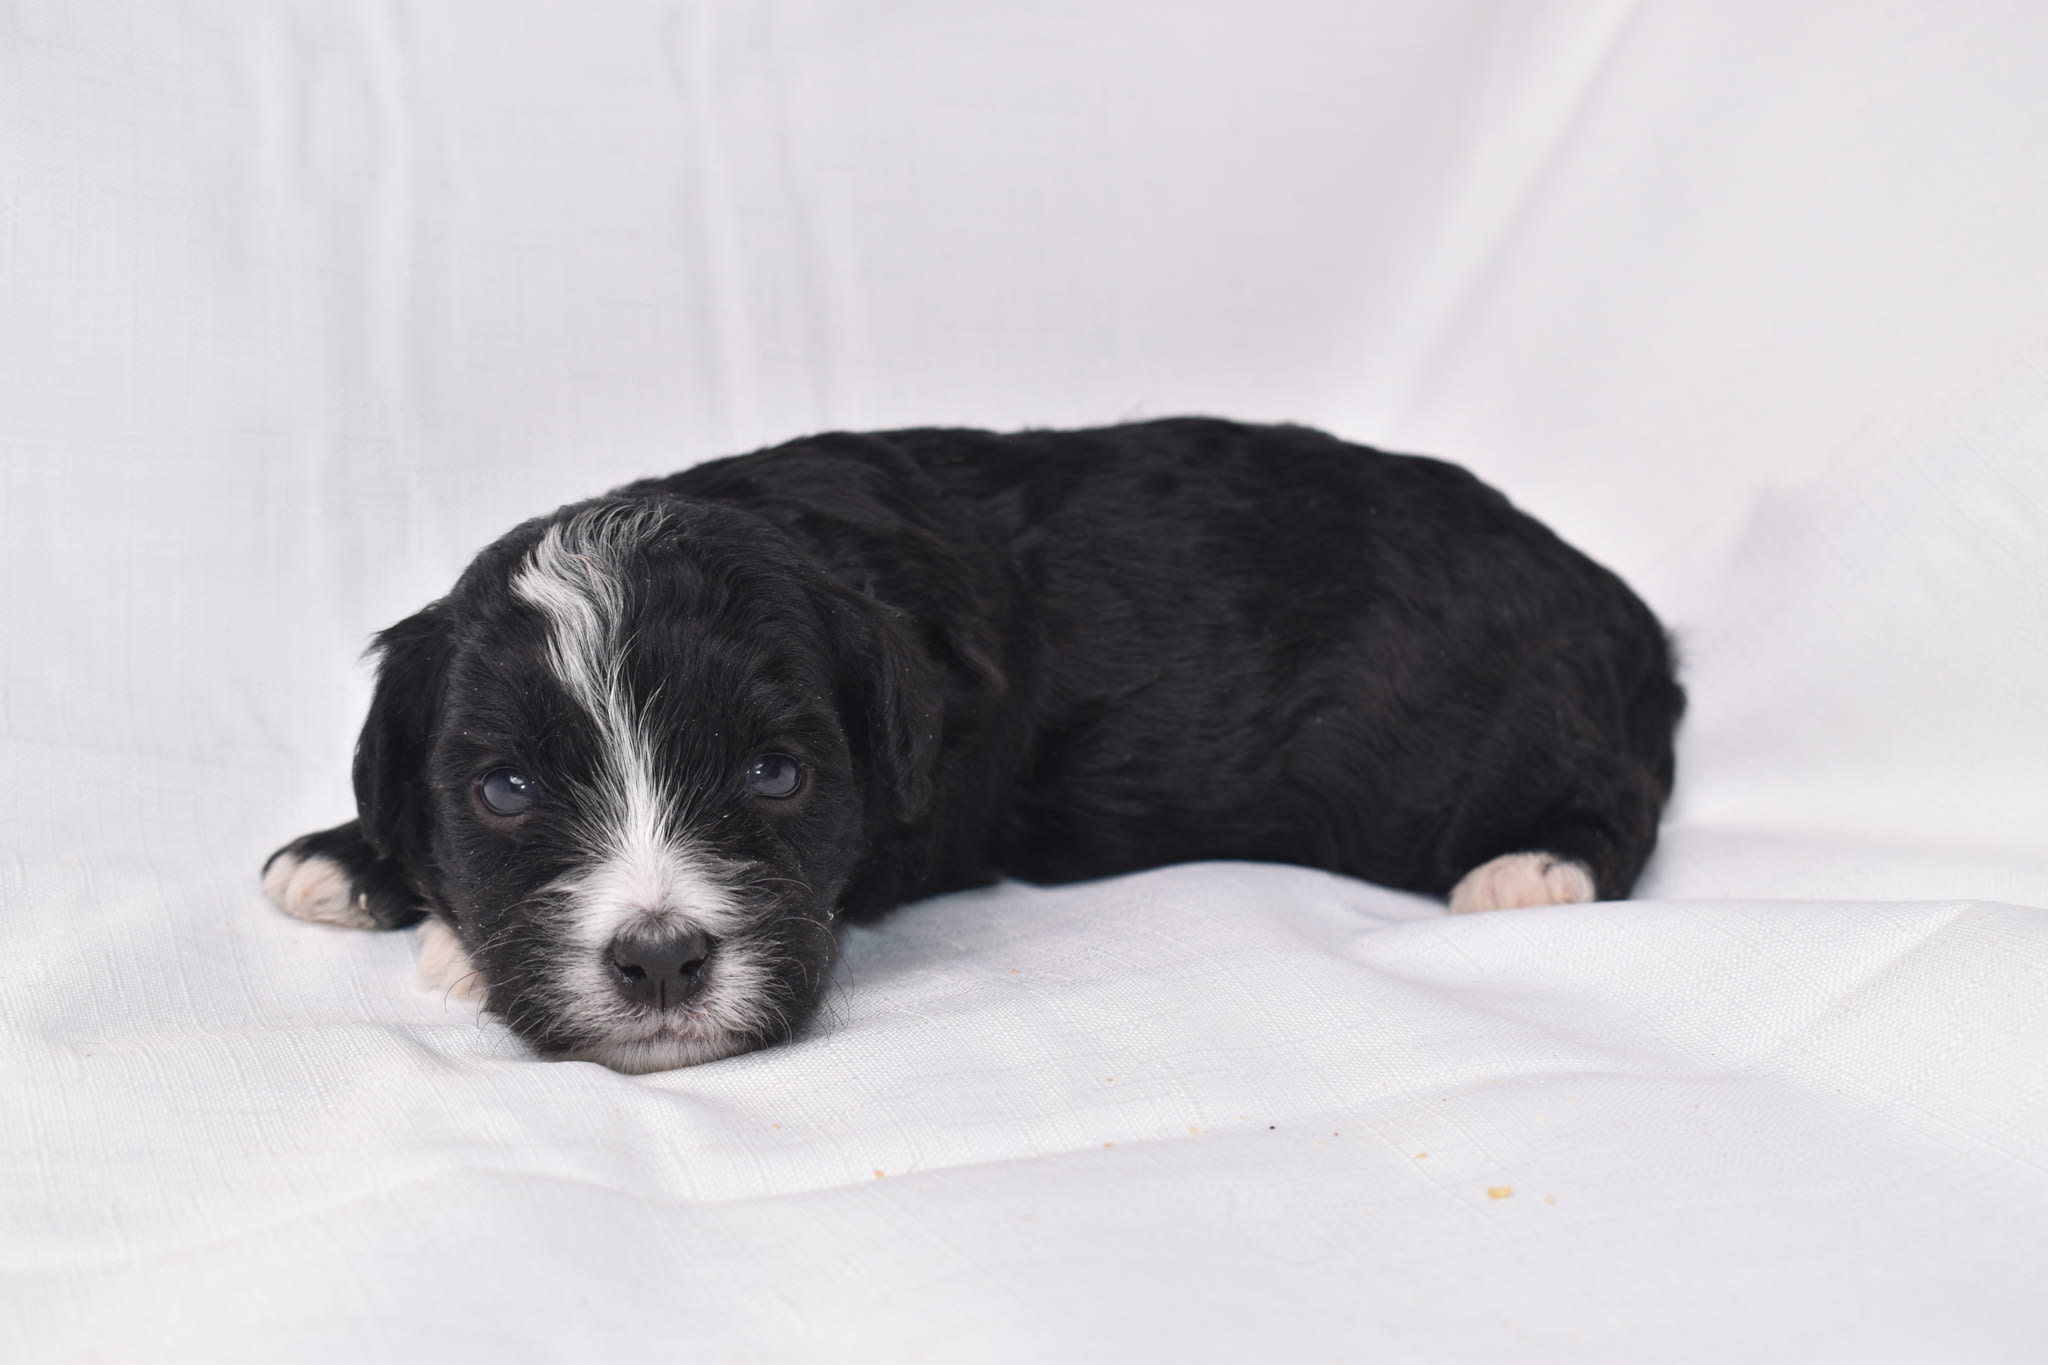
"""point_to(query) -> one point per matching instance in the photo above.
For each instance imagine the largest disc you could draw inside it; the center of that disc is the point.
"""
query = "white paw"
(1518, 879)
(316, 888)
(444, 965)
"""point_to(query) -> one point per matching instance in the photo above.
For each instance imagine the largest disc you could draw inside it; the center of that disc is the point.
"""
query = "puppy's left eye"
(774, 776)
(506, 791)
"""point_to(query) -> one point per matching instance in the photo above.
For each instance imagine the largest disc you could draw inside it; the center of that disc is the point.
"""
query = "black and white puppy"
(636, 768)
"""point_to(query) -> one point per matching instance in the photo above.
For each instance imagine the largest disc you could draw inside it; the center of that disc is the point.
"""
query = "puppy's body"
(1053, 655)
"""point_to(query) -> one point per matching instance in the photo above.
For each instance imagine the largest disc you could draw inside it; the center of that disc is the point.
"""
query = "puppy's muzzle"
(660, 968)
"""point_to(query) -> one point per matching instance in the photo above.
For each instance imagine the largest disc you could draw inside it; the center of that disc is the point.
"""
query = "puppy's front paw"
(314, 886)
(445, 966)
(333, 876)
(1519, 879)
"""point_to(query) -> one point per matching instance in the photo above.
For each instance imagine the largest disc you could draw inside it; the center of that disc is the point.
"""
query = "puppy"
(649, 753)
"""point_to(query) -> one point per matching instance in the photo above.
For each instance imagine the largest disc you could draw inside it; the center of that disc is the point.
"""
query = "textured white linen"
(301, 304)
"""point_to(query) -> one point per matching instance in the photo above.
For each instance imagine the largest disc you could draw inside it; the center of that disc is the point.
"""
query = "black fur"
(1050, 655)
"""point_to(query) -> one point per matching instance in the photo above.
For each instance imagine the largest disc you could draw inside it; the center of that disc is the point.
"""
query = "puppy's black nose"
(660, 969)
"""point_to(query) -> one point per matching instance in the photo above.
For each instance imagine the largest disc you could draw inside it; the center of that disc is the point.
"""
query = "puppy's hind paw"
(1519, 879)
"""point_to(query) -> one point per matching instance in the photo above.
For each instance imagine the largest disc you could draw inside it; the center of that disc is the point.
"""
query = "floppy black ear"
(391, 755)
(893, 694)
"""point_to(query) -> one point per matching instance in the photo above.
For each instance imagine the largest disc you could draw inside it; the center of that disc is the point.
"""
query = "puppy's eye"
(774, 776)
(506, 791)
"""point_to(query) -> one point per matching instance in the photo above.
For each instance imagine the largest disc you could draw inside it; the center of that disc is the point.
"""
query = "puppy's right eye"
(774, 776)
(506, 791)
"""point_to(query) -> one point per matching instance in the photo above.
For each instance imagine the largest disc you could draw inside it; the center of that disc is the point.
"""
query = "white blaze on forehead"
(642, 868)
(575, 576)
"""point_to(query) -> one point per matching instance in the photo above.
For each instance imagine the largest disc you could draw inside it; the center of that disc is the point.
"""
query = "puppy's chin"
(663, 1051)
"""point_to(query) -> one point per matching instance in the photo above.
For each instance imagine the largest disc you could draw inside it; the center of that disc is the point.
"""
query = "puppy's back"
(1215, 639)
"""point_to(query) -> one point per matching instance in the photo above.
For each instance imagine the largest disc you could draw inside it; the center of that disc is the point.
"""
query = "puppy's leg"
(445, 965)
(1564, 807)
(1519, 879)
(333, 876)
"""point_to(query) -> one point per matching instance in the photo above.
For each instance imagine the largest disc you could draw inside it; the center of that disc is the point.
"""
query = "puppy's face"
(632, 761)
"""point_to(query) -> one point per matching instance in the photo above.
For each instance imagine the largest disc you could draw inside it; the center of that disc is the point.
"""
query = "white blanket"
(302, 304)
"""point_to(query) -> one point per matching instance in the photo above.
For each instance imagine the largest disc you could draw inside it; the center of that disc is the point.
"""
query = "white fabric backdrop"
(301, 304)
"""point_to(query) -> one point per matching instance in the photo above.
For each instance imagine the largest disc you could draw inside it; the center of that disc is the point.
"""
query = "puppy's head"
(631, 761)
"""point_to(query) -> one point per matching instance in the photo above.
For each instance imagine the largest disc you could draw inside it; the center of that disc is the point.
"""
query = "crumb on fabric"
(1493, 1191)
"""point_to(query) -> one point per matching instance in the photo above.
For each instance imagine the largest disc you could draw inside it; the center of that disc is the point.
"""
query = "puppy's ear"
(893, 694)
(391, 756)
